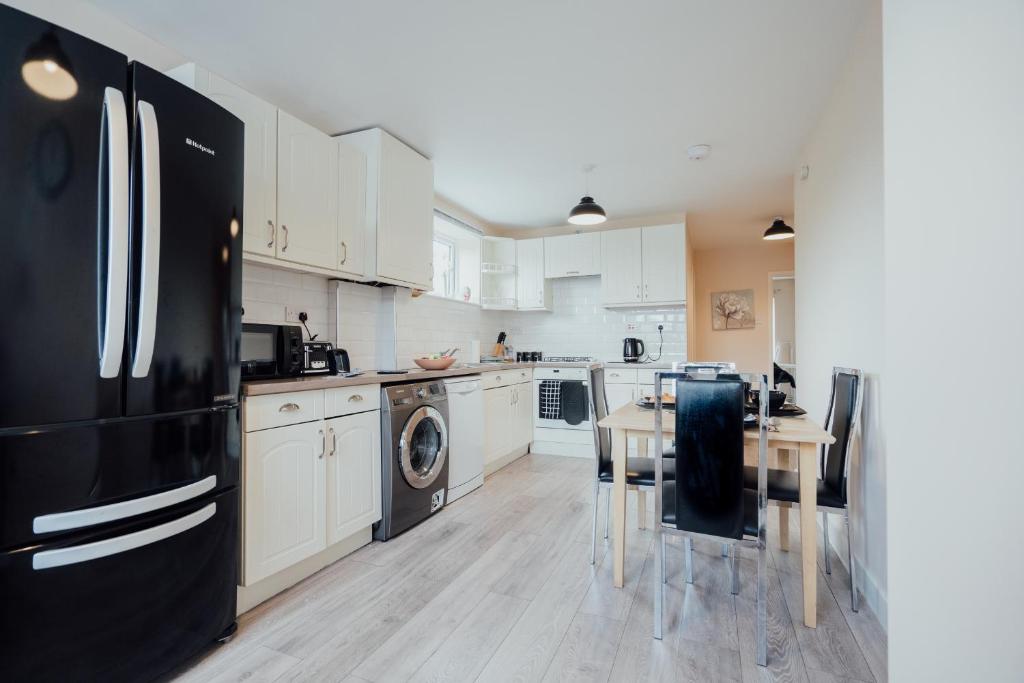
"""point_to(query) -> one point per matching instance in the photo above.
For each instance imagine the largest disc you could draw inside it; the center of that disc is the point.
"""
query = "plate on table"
(785, 410)
(668, 402)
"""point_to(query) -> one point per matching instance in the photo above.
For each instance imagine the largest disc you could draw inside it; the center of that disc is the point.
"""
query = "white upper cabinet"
(664, 264)
(621, 267)
(351, 210)
(645, 266)
(307, 194)
(399, 210)
(572, 255)
(259, 212)
(532, 293)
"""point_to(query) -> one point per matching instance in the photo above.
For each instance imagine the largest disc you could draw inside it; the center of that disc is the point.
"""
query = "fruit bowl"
(435, 363)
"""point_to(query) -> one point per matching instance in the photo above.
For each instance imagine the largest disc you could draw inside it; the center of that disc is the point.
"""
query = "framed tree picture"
(732, 310)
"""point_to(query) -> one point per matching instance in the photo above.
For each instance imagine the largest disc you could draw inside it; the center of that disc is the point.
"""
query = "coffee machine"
(632, 349)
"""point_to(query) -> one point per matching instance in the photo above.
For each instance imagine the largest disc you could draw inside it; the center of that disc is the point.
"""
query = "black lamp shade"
(587, 212)
(47, 69)
(779, 231)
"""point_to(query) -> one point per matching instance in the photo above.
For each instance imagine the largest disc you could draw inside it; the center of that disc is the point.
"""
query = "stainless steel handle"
(76, 519)
(270, 227)
(345, 248)
(355, 398)
(323, 443)
(285, 229)
(120, 544)
(150, 275)
(115, 126)
(637, 292)
(288, 408)
(334, 441)
(498, 378)
(572, 272)
(645, 290)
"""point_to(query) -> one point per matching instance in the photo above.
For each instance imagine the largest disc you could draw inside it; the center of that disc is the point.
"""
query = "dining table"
(787, 435)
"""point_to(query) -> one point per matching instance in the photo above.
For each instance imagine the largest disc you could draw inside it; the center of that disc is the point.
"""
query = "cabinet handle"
(572, 272)
(334, 441)
(637, 292)
(288, 408)
(645, 290)
(270, 229)
(285, 247)
(345, 257)
(323, 443)
(355, 398)
(498, 378)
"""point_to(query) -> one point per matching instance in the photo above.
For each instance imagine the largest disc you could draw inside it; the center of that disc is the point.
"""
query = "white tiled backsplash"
(578, 325)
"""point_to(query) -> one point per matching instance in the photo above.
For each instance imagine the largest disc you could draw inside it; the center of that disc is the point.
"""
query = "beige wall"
(717, 270)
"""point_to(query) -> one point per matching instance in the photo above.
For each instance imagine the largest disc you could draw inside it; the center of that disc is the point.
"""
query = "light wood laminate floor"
(498, 587)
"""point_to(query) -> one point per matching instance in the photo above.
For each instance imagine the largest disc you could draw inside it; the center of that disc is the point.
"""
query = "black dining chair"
(707, 497)
(639, 471)
(841, 420)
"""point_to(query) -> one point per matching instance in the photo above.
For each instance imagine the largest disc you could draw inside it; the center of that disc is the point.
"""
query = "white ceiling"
(511, 99)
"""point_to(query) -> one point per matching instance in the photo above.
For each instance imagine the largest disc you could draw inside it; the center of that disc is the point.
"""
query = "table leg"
(619, 504)
(785, 463)
(641, 496)
(809, 530)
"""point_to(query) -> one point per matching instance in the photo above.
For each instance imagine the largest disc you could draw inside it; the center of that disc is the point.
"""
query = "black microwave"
(271, 351)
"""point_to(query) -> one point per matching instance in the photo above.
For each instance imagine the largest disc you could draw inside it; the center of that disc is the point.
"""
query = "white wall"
(840, 292)
(954, 244)
(267, 292)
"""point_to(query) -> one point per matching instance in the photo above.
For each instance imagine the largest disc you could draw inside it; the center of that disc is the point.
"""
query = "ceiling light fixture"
(779, 230)
(587, 212)
(47, 69)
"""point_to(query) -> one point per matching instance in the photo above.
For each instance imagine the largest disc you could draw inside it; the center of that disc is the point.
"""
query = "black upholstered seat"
(784, 486)
(639, 471)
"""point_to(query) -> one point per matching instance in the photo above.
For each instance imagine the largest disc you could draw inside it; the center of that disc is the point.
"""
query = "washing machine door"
(423, 447)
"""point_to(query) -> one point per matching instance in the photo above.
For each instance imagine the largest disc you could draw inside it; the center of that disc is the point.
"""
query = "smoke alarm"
(698, 152)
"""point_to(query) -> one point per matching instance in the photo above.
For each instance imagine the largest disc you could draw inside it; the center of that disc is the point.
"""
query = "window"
(456, 259)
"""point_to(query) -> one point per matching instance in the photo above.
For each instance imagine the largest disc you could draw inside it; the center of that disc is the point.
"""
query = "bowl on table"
(435, 363)
(775, 399)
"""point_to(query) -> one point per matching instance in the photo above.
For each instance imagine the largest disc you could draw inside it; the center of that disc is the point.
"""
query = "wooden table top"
(633, 418)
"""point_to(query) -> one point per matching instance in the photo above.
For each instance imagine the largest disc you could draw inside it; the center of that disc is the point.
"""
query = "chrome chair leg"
(762, 604)
(735, 553)
(659, 582)
(725, 550)
(607, 513)
(824, 524)
(688, 546)
(854, 600)
(593, 536)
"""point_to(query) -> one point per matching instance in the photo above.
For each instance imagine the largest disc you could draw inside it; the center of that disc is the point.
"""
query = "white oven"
(561, 399)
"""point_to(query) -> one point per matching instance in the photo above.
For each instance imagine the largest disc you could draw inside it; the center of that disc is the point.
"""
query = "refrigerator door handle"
(76, 554)
(114, 127)
(150, 272)
(101, 514)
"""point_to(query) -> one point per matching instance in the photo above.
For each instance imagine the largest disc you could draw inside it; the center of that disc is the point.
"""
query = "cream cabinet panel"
(405, 218)
(307, 194)
(531, 289)
(497, 428)
(664, 264)
(572, 255)
(522, 414)
(619, 395)
(353, 474)
(351, 210)
(284, 498)
(621, 267)
(259, 212)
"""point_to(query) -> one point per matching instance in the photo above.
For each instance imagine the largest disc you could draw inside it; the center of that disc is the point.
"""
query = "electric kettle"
(632, 349)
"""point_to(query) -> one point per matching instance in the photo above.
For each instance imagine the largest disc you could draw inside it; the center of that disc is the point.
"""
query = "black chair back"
(599, 409)
(709, 457)
(844, 408)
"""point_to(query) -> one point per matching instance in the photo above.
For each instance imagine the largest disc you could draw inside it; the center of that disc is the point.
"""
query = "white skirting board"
(456, 492)
(495, 465)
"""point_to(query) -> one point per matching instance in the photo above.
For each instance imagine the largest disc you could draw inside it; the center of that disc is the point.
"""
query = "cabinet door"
(559, 260)
(284, 498)
(621, 266)
(259, 212)
(530, 286)
(664, 263)
(307, 194)
(524, 413)
(353, 474)
(496, 422)
(619, 395)
(351, 210)
(405, 214)
(588, 253)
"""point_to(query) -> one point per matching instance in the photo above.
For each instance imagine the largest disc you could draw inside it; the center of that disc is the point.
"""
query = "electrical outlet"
(631, 327)
(291, 314)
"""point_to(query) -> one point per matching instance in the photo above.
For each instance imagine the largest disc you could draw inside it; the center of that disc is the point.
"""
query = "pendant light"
(587, 212)
(47, 69)
(779, 230)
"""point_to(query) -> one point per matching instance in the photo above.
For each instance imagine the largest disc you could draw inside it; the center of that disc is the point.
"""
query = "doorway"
(784, 326)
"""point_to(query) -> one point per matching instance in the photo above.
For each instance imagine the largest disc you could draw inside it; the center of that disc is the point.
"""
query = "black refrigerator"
(120, 283)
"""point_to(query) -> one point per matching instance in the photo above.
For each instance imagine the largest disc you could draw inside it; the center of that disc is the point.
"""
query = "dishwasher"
(465, 435)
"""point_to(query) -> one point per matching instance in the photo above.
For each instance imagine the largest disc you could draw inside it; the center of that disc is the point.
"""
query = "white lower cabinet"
(508, 416)
(619, 395)
(522, 414)
(284, 494)
(353, 474)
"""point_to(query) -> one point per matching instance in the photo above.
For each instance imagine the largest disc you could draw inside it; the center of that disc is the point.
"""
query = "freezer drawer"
(126, 603)
(59, 480)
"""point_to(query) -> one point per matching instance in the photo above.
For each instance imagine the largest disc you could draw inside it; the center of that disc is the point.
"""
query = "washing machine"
(414, 455)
